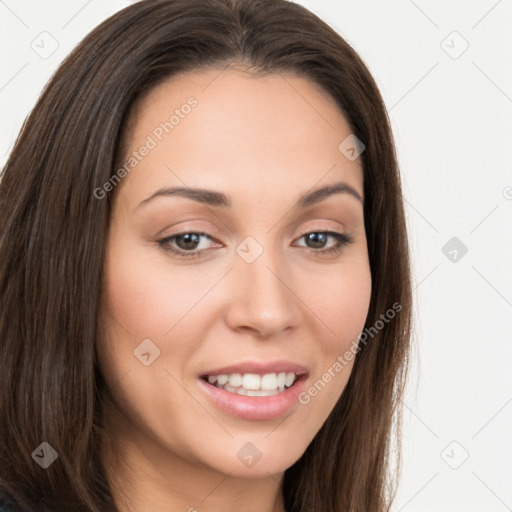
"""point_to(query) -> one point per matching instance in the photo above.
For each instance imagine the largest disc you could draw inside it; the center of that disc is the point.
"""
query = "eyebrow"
(219, 199)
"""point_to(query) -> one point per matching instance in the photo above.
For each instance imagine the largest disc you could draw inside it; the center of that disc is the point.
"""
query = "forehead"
(231, 128)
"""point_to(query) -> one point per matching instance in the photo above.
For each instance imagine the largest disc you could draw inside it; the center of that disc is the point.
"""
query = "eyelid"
(342, 240)
(184, 227)
(315, 228)
(200, 232)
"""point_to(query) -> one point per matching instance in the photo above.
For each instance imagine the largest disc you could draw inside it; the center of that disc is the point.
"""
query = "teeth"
(289, 379)
(235, 380)
(251, 392)
(269, 381)
(251, 384)
(222, 379)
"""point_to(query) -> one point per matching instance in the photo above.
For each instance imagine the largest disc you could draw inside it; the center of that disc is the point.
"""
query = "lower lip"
(255, 407)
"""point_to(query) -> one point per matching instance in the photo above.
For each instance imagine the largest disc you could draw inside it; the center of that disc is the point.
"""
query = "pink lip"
(258, 368)
(255, 407)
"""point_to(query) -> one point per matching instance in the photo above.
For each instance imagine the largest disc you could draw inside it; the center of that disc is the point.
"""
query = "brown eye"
(188, 241)
(184, 244)
(317, 240)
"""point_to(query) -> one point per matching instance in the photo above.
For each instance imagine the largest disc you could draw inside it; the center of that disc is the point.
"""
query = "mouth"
(254, 384)
(258, 394)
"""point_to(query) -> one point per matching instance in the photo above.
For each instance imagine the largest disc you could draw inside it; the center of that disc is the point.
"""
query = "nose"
(262, 296)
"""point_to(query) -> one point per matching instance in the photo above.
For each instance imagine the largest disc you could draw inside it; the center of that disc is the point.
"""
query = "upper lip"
(259, 368)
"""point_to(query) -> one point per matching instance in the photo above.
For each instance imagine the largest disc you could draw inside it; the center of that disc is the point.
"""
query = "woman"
(260, 367)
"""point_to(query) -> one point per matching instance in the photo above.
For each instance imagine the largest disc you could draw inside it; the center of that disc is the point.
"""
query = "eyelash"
(342, 241)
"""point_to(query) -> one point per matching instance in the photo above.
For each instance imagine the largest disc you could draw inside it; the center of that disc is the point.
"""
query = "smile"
(252, 384)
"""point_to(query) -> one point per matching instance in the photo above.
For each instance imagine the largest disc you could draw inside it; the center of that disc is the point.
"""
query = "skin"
(264, 141)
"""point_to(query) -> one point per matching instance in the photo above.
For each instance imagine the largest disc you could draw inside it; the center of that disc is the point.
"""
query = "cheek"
(346, 305)
(145, 298)
(341, 297)
(148, 297)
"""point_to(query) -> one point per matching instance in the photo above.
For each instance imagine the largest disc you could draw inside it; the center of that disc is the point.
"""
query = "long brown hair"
(52, 246)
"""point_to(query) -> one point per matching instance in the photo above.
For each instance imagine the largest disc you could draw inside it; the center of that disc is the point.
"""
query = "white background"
(451, 116)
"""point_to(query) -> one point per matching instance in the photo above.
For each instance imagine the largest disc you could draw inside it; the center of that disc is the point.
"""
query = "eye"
(189, 243)
(319, 238)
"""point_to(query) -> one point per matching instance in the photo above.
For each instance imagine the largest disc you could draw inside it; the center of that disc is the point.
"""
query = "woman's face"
(263, 285)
